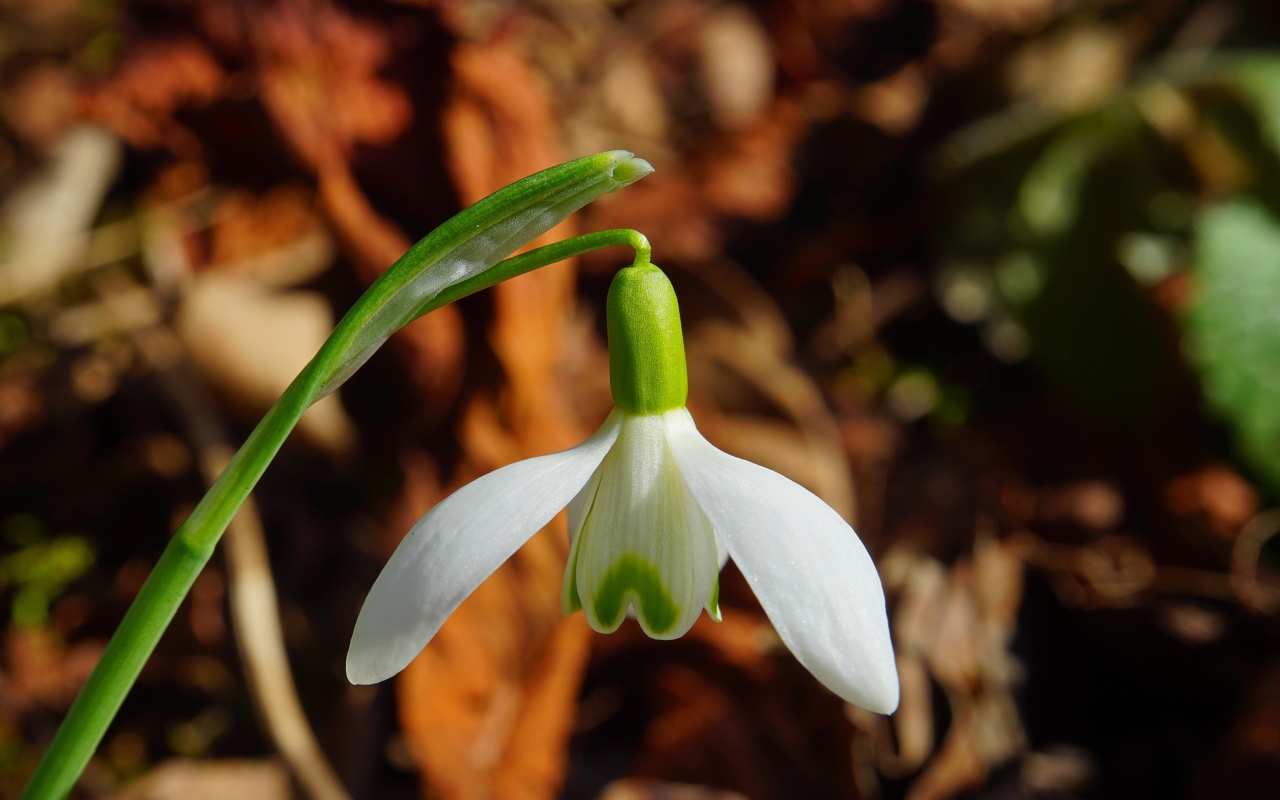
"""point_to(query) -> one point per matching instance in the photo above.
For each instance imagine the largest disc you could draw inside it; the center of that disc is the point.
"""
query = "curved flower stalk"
(654, 512)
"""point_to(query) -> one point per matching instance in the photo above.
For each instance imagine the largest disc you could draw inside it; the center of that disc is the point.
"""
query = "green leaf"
(1233, 327)
(1258, 77)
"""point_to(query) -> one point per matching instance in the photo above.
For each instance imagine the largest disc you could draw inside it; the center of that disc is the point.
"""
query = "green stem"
(193, 544)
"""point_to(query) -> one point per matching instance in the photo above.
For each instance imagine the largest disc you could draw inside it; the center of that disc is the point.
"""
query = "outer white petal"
(811, 573)
(458, 544)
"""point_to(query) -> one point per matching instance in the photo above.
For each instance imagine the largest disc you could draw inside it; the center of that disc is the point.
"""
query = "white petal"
(458, 544)
(811, 573)
(644, 545)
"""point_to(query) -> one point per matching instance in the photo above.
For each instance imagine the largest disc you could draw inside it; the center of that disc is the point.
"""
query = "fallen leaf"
(41, 669)
(22, 406)
(41, 103)
(737, 66)
(640, 789)
(317, 68)
(749, 173)
(139, 99)
(277, 238)
(189, 779)
(1216, 494)
(45, 222)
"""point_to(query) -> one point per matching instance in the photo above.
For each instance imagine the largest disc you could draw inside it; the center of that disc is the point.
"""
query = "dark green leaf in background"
(1233, 327)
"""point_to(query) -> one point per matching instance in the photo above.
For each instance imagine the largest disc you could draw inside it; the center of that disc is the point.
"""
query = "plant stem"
(191, 547)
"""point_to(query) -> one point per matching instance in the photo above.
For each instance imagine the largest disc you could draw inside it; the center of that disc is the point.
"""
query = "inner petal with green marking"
(641, 544)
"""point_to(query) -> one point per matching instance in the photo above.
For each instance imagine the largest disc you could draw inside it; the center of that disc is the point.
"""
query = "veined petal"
(810, 571)
(457, 545)
(643, 545)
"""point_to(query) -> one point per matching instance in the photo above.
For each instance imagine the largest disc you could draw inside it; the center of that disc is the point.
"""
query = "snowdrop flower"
(654, 512)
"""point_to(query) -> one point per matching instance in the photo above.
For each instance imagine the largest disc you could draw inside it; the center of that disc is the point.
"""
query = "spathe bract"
(471, 242)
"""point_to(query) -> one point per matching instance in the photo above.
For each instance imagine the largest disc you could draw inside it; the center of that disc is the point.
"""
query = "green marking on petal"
(569, 599)
(713, 605)
(631, 579)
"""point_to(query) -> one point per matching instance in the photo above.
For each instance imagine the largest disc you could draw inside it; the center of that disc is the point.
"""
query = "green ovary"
(630, 580)
(647, 371)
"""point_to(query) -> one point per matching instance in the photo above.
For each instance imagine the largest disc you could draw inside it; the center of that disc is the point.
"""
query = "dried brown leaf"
(749, 173)
(277, 237)
(41, 669)
(156, 79)
(183, 779)
(318, 74)
(22, 405)
(640, 789)
(41, 103)
(737, 66)
(1215, 494)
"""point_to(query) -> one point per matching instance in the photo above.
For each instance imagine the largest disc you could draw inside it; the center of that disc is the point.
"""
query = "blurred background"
(998, 279)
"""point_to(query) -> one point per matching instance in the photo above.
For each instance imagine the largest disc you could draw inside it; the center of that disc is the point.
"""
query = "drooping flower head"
(654, 512)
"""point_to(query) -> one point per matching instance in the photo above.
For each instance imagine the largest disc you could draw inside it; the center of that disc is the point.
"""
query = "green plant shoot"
(462, 256)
